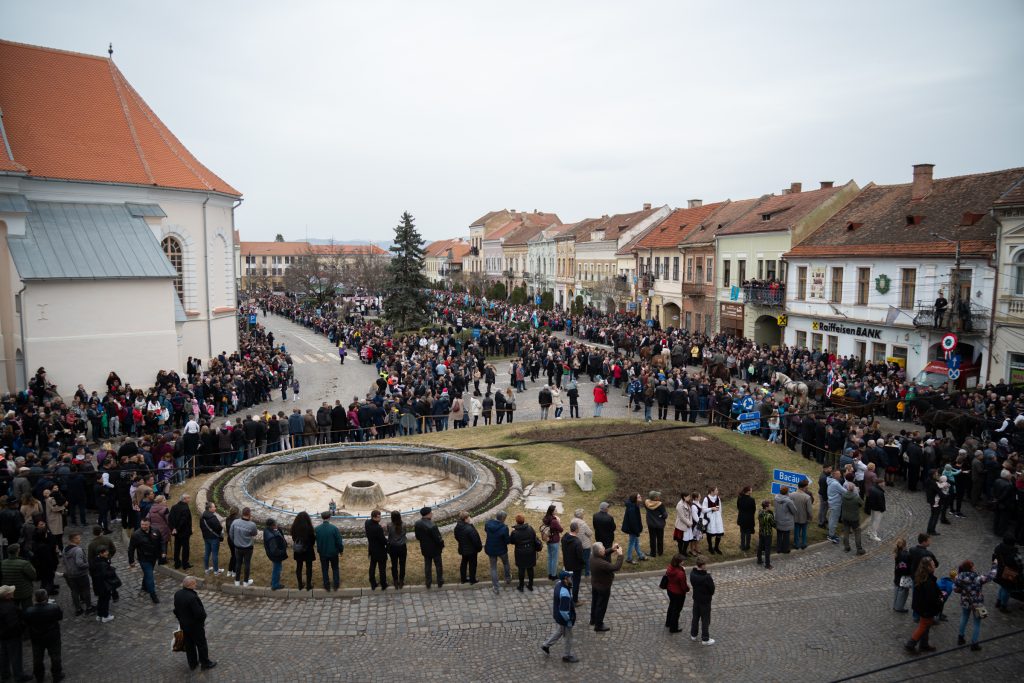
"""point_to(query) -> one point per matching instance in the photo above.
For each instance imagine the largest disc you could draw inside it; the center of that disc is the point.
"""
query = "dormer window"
(914, 220)
(851, 226)
(971, 218)
(597, 235)
(766, 216)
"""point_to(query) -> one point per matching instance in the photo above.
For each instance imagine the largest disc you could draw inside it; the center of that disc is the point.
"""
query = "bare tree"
(316, 274)
(367, 270)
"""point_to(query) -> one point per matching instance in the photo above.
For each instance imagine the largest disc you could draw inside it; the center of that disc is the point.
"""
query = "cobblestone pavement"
(821, 614)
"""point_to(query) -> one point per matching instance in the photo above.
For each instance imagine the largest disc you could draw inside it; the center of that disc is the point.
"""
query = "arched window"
(172, 250)
(1018, 272)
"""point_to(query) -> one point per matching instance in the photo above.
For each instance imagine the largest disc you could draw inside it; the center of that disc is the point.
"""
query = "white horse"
(797, 390)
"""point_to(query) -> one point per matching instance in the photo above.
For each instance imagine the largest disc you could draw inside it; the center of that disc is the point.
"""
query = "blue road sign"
(953, 362)
(953, 373)
(749, 426)
(786, 478)
(476, 333)
(748, 404)
(750, 416)
(252, 318)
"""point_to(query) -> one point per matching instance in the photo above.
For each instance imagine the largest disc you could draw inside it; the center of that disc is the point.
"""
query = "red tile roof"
(74, 116)
(441, 247)
(531, 223)
(726, 214)
(883, 220)
(784, 212)
(614, 226)
(302, 248)
(1013, 197)
(674, 229)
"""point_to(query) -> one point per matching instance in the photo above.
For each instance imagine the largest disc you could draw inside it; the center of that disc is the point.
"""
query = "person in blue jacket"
(496, 547)
(564, 612)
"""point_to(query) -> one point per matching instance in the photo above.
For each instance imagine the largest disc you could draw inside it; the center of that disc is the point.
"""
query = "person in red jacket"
(677, 590)
(600, 397)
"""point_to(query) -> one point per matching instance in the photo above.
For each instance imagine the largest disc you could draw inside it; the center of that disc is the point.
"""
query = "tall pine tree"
(405, 304)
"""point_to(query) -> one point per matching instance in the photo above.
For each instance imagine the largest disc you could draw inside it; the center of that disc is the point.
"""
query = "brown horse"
(719, 371)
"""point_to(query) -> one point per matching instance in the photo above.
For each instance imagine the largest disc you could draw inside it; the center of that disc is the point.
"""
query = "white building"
(865, 283)
(1008, 323)
(541, 260)
(117, 249)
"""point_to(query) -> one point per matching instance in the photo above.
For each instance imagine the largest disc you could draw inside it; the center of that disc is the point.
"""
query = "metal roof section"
(13, 203)
(72, 241)
(145, 210)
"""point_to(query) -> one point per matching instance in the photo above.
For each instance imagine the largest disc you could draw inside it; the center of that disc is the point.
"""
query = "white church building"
(117, 245)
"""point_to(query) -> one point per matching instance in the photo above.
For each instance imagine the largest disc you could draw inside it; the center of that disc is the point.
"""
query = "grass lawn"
(544, 462)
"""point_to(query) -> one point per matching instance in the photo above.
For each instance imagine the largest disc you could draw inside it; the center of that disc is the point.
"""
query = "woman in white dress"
(716, 527)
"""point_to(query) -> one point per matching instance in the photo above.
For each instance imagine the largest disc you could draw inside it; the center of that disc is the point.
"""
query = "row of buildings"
(855, 271)
(265, 265)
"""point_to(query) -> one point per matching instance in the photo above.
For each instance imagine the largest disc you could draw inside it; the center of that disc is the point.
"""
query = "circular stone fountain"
(362, 494)
(354, 479)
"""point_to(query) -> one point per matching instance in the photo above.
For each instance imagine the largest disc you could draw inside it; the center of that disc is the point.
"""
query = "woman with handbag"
(675, 583)
(969, 584)
(901, 576)
(304, 548)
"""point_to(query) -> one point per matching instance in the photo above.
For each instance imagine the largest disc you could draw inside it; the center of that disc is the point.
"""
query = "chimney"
(647, 206)
(694, 203)
(794, 188)
(826, 184)
(922, 186)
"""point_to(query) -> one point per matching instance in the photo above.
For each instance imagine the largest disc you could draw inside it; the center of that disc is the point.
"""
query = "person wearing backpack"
(277, 552)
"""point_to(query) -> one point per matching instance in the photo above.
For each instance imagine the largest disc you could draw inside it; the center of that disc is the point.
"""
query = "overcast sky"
(334, 117)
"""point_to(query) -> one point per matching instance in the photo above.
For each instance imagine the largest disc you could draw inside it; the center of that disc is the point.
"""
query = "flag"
(536, 323)
(831, 381)
(734, 293)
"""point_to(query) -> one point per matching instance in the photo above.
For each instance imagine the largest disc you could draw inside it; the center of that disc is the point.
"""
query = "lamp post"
(954, 283)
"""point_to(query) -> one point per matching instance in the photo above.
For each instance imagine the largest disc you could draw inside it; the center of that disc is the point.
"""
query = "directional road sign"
(748, 426)
(749, 416)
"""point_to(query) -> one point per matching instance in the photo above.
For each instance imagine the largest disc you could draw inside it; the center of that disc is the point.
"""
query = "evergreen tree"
(405, 305)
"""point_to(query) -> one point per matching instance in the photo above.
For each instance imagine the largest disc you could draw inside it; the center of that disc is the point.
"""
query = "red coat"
(599, 394)
(677, 580)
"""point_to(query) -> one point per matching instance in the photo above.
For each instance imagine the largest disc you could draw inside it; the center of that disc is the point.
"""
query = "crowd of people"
(59, 461)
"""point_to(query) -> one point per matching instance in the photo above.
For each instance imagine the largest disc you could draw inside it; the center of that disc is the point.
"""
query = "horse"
(799, 391)
(719, 371)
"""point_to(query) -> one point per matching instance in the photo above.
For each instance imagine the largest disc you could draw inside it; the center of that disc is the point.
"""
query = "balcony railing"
(765, 294)
(695, 289)
(969, 319)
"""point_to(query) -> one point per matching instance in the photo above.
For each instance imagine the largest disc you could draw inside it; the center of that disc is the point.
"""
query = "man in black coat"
(572, 558)
(703, 587)
(11, 628)
(377, 548)
(431, 546)
(470, 546)
(180, 521)
(43, 622)
(339, 422)
(604, 526)
(191, 615)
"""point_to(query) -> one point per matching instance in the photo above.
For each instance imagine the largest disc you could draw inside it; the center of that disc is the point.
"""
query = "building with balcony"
(264, 264)
(473, 263)
(866, 282)
(749, 253)
(598, 263)
(509, 268)
(515, 247)
(656, 254)
(1008, 313)
(697, 259)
